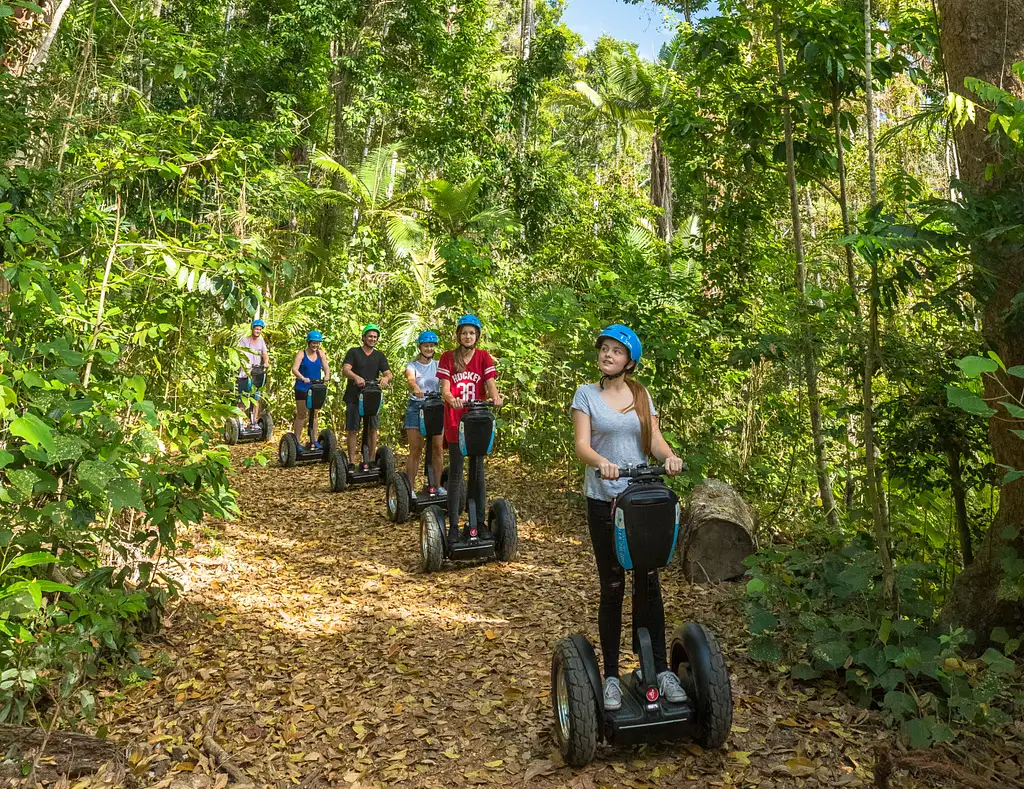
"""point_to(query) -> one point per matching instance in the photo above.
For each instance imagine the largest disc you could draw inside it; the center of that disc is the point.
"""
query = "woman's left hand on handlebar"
(673, 465)
(498, 400)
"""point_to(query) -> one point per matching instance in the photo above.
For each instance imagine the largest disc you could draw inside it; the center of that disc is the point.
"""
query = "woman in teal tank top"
(309, 367)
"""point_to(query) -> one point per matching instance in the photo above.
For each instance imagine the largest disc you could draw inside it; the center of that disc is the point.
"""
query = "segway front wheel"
(232, 429)
(287, 450)
(385, 461)
(266, 426)
(574, 703)
(398, 496)
(339, 472)
(697, 660)
(431, 539)
(501, 522)
(329, 442)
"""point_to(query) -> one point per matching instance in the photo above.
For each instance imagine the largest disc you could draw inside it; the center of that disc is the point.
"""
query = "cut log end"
(716, 533)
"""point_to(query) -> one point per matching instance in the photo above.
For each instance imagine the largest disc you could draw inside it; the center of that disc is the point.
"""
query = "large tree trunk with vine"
(983, 39)
(661, 188)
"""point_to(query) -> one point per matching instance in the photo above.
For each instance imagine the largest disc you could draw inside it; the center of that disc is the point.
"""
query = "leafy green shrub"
(822, 612)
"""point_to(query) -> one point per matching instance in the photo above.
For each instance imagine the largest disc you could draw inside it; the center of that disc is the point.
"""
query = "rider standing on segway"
(254, 351)
(310, 366)
(464, 374)
(616, 425)
(363, 363)
(421, 377)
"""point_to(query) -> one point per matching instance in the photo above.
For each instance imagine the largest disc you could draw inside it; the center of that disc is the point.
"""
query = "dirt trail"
(325, 659)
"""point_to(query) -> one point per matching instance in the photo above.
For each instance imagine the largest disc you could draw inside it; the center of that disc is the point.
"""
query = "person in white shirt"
(421, 377)
(254, 355)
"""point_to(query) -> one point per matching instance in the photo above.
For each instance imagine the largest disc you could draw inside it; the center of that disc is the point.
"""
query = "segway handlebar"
(638, 472)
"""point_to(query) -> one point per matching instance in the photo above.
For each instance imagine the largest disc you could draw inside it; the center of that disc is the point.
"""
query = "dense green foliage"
(171, 170)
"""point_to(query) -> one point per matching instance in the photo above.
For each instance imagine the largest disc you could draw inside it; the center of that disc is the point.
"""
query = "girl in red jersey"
(466, 374)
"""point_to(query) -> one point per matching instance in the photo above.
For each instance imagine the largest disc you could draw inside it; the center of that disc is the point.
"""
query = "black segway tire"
(339, 472)
(266, 424)
(287, 450)
(385, 461)
(329, 442)
(398, 497)
(697, 660)
(431, 539)
(574, 705)
(501, 522)
(232, 430)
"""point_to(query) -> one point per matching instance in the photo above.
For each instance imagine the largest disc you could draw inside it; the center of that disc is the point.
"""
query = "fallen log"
(715, 533)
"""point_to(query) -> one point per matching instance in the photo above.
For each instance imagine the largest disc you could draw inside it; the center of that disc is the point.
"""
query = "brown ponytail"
(642, 406)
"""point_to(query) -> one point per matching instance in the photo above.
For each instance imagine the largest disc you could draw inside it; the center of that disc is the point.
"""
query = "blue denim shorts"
(412, 414)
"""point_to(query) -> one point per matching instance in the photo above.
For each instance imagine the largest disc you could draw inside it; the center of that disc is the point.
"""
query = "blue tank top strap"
(313, 369)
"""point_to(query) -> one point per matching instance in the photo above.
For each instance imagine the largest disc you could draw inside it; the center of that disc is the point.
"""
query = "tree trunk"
(53, 19)
(828, 501)
(956, 484)
(983, 39)
(715, 533)
(526, 29)
(661, 188)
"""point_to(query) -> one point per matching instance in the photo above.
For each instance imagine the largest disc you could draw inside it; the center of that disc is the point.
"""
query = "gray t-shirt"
(426, 376)
(613, 435)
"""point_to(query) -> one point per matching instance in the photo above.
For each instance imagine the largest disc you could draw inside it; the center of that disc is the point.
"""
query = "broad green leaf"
(96, 475)
(755, 587)
(33, 430)
(1017, 370)
(900, 703)
(5, 458)
(967, 401)
(919, 732)
(763, 620)
(997, 662)
(804, 671)
(764, 649)
(23, 481)
(32, 560)
(125, 493)
(832, 653)
(973, 366)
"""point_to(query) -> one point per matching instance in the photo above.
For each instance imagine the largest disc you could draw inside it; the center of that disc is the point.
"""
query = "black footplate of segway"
(646, 519)
(316, 396)
(639, 720)
(476, 433)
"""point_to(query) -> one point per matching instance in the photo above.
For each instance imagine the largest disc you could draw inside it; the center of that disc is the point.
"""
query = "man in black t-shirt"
(363, 363)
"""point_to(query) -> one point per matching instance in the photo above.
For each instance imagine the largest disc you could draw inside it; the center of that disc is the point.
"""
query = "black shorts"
(353, 421)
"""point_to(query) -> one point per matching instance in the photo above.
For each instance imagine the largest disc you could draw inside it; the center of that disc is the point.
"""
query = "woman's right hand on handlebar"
(608, 470)
(418, 393)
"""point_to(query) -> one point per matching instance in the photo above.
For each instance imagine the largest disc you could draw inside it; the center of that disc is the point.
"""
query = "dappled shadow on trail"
(331, 662)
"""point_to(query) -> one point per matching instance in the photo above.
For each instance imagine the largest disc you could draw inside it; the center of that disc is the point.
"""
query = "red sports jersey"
(467, 385)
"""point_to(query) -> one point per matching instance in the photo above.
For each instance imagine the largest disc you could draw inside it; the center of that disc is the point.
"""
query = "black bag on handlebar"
(257, 377)
(316, 396)
(432, 417)
(370, 397)
(646, 521)
(476, 432)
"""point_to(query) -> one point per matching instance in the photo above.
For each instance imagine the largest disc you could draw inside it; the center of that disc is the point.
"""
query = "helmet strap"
(626, 368)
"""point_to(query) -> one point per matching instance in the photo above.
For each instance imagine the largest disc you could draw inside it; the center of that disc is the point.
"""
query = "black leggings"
(648, 608)
(457, 487)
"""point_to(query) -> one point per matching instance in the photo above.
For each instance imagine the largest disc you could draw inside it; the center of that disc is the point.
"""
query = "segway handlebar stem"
(639, 472)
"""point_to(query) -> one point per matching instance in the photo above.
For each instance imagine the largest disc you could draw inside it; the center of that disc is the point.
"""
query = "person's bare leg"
(374, 435)
(437, 461)
(315, 434)
(412, 466)
(256, 412)
(300, 419)
(352, 440)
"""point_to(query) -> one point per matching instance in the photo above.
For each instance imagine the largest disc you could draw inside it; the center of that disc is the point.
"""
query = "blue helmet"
(314, 336)
(626, 336)
(469, 320)
(258, 322)
(427, 336)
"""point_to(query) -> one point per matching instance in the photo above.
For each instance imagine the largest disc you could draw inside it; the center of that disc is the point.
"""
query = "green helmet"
(370, 327)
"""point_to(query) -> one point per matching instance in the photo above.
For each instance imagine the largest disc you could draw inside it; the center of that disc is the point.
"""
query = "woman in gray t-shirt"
(421, 378)
(616, 425)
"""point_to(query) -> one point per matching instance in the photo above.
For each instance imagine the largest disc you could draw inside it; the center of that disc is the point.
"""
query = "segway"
(342, 474)
(289, 453)
(238, 430)
(401, 502)
(498, 537)
(646, 522)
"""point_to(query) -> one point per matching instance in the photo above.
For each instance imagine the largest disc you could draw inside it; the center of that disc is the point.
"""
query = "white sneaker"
(442, 492)
(612, 693)
(669, 687)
